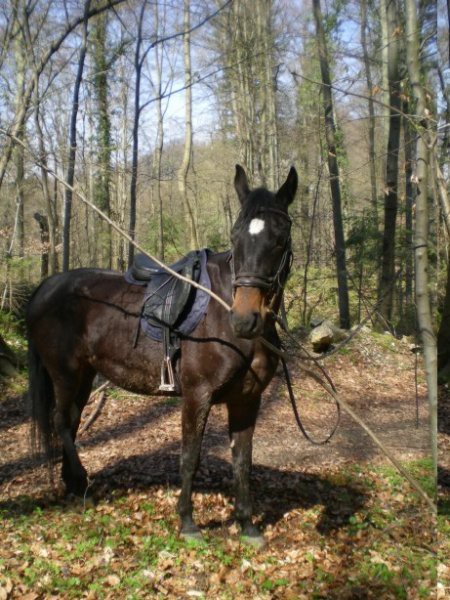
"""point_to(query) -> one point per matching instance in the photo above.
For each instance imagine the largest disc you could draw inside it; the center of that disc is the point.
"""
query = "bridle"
(270, 284)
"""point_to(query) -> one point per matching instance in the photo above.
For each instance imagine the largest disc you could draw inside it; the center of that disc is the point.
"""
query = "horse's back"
(88, 320)
(54, 291)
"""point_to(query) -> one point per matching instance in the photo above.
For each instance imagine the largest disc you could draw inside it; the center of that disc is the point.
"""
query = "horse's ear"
(286, 193)
(241, 184)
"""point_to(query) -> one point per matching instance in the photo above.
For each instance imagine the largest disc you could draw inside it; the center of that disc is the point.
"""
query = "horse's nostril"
(248, 325)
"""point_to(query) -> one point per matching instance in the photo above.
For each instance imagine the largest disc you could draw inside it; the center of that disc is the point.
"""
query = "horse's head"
(261, 252)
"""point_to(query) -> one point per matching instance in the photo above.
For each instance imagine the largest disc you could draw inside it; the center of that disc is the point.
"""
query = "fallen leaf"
(113, 580)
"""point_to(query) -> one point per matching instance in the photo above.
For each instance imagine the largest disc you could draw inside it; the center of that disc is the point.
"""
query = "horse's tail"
(41, 400)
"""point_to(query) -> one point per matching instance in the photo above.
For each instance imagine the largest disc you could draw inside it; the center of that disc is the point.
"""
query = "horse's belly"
(136, 369)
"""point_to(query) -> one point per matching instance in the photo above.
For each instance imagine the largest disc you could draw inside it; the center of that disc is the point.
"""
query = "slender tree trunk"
(187, 154)
(421, 231)
(372, 151)
(73, 144)
(445, 92)
(19, 151)
(50, 203)
(266, 33)
(103, 177)
(240, 60)
(44, 231)
(443, 338)
(386, 288)
(122, 173)
(159, 144)
(19, 160)
(330, 132)
(409, 193)
(135, 150)
(384, 51)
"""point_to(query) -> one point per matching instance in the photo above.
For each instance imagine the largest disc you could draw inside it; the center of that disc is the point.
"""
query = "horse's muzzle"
(247, 326)
(247, 313)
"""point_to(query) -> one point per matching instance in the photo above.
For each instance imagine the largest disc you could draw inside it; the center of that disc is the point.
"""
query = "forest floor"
(338, 519)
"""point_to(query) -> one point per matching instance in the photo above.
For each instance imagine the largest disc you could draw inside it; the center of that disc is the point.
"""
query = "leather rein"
(274, 286)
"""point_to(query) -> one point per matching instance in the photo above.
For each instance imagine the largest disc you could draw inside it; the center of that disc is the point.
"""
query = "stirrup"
(167, 378)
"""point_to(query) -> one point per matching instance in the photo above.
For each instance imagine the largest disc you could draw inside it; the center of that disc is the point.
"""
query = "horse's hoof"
(257, 541)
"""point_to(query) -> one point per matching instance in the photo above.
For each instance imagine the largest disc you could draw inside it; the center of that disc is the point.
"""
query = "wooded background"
(145, 107)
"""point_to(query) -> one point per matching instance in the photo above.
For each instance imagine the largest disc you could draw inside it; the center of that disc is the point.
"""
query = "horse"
(83, 322)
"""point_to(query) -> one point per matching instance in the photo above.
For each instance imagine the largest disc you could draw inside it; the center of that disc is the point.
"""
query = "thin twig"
(94, 416)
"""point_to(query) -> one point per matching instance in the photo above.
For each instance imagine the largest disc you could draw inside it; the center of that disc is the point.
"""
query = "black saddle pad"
(168, 301)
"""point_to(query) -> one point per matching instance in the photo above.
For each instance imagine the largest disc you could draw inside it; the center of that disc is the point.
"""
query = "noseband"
(272, 283)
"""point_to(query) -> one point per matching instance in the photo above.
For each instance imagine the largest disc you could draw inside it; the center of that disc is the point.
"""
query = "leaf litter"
(337, 521)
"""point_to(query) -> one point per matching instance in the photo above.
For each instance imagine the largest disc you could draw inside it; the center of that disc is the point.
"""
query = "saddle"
(168, 310)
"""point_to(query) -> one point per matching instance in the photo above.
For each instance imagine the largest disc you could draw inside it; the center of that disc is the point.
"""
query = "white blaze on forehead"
(256, 226)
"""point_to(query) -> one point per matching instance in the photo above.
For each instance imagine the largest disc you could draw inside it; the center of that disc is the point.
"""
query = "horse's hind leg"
(71, 396)
(242, 415)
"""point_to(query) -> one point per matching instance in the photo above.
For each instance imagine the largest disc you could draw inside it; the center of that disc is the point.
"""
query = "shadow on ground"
(275, 491)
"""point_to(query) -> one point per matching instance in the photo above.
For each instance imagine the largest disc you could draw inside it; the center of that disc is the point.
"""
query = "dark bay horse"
(84, 322)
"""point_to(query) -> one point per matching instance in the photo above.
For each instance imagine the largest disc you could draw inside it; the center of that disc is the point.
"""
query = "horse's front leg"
(194, 416)
(242, 418)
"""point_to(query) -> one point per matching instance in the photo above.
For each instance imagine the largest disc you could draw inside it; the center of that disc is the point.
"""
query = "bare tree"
(138, 64)
(424, 315)
(386, 287)
(159, 143)
(49, 198)
(102, 180)
(19, 152)
(73, 143)
(371, 107)
(330, 133)
(187, 153)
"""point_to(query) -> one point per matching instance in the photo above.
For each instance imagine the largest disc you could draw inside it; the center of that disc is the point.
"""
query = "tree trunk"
(135, 151)
(372, 151)
(330, 133)
(384, 51)
(271, 167)
(102, 181)
(387, 279)
(421, 230)
(44, 231)
(73, 144)
(50, 203)
(19, 151)
(187, 154)
(409, 193)
(443, 338)
(159, 144)
(122, 186)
